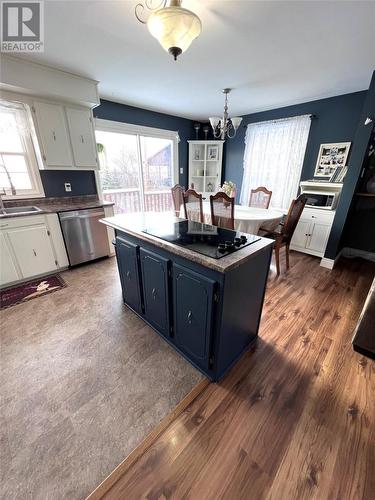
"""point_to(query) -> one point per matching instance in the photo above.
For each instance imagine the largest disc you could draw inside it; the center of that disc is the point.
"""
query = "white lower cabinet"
(312, 231)
(29, 248)
(33, 250)
(8, 270)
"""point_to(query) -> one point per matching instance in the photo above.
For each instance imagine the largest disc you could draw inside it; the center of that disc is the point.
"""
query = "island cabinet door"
(155, 290)
(127, 259)
(193, 296)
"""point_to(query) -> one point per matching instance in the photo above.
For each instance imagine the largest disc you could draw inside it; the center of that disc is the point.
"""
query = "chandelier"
(174, 27)
(225, 126)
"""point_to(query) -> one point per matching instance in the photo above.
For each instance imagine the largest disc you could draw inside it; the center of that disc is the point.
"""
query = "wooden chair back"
(193, 205)
(222, 210)
(260, 197)
(177, 197)
(292, 218)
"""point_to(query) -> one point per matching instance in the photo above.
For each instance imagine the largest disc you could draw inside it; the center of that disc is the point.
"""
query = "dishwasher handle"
(81, 214)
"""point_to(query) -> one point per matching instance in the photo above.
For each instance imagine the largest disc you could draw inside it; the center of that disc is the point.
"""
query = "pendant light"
(174, 27)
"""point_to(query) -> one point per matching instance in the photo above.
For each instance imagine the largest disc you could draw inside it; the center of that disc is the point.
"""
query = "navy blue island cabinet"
(211, 317)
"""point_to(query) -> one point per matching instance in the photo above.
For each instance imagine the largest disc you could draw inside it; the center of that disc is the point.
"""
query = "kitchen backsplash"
(81, 182)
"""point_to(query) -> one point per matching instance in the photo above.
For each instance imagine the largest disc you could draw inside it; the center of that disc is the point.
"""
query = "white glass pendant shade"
(214, 120)
(175, 28)
(236, 121)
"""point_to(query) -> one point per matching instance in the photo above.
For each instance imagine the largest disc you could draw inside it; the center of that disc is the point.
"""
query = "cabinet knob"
(190, 317)
(54, 135)
(82, 139)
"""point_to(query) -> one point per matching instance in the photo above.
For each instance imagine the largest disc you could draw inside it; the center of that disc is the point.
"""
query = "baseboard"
(327, 263)
(330, 263)
(354, 252)
(120, 470)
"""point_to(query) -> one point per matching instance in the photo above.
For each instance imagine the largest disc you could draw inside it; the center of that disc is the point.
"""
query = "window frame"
(138, 130)
(31, 154)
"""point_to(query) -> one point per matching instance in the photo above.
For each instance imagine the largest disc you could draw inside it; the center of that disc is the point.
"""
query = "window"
(273, 158)
(19, 173)
(138, 166)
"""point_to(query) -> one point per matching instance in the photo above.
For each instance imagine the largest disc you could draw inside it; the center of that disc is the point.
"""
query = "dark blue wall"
(336, 120)
(109, 110)
(356, 160)
(83, 182)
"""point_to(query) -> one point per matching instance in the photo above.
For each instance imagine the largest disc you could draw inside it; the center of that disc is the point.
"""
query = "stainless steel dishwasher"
(85, 237)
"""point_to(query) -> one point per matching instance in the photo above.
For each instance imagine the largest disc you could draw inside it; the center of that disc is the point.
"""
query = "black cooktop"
(212, 241)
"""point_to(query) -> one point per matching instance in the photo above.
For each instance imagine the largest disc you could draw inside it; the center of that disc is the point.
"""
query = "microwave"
(319, 199)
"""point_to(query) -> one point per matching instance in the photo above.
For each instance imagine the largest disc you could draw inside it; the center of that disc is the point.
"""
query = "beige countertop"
(55, 205)
(133, 224)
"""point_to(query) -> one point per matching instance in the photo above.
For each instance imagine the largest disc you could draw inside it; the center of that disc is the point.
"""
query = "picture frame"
(330, 157)
(213, 153)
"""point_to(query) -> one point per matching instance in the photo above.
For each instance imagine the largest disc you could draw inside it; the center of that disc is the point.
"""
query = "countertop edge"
(193, 256)
(44, 211)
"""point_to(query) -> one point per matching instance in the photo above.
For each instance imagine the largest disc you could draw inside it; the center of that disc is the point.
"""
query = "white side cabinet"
(30, 248)
(66, 135)
(205, 166)
(312, 231)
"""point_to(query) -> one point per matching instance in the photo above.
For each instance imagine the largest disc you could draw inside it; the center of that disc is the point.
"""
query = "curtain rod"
(311, 116)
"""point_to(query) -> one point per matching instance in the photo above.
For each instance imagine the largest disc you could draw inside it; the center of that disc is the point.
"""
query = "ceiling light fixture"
(173, 26)
(225, 126)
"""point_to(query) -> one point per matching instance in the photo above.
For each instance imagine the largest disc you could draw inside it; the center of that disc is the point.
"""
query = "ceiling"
(272, 53)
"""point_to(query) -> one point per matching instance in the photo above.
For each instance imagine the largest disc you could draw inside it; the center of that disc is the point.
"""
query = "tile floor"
(83, 381)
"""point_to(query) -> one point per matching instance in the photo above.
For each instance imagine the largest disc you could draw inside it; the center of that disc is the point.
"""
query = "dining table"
(246, 219)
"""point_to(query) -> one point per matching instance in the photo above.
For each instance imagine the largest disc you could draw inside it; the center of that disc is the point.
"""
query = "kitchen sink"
(19, 210)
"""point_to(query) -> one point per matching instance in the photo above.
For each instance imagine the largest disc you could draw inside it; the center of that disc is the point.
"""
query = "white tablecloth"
(246, 219)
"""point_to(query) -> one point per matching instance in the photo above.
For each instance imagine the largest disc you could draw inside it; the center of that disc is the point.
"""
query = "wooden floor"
(295, 419)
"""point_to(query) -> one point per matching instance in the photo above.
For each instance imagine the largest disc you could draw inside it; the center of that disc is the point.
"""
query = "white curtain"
(273, 158)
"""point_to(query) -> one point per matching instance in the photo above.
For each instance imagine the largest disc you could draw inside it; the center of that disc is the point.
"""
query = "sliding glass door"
(137, 171)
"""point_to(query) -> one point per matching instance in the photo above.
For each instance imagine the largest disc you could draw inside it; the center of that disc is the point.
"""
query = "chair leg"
(287, 256)
(277, 258)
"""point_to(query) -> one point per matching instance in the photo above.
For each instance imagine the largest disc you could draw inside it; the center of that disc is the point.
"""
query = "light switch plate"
(68, 186)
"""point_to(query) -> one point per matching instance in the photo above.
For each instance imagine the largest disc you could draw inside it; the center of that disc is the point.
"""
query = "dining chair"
(260, 197)
(284, 232)
(177, 197)
(222, 210)
(193, 206)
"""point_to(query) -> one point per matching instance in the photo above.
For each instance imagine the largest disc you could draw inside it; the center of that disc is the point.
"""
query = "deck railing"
(129, 200)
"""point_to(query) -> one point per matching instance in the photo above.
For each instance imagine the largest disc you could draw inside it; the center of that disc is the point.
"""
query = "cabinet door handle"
(190, 317)
(34, 252)
(4, 225)
(82, 139)
(54, 135)
(313, 217)
(128, 275)
(154, 293)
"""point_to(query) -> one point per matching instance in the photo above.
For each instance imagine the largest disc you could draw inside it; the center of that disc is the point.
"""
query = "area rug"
(32, 289)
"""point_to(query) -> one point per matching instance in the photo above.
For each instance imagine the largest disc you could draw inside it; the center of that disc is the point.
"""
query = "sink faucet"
(12, 188)
(2, 208)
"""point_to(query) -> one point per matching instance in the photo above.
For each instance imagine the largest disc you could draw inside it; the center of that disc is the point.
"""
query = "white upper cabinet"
(82, 137)
(53, 134)
(66, 136)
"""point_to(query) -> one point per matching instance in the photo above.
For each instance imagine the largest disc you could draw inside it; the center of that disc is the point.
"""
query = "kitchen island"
(206, 307)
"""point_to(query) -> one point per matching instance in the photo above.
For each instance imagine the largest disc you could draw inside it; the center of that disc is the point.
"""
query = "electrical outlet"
(68, 187)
